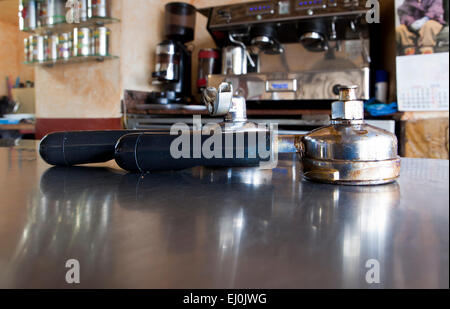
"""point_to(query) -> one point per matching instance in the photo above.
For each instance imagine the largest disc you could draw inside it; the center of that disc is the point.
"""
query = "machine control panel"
(281, 85)
(261, 8)
(311, 4)
(281, 10)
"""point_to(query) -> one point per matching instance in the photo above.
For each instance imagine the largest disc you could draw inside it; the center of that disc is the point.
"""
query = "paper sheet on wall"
(422, 82)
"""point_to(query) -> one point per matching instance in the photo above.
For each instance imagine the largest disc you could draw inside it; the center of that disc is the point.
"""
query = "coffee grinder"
(173, 59)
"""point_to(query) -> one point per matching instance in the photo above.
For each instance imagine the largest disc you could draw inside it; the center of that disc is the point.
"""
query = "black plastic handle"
(80, 147)
(149, 152)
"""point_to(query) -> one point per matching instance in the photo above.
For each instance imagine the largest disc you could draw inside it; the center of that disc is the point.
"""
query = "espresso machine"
(173, 58)
(283, 53)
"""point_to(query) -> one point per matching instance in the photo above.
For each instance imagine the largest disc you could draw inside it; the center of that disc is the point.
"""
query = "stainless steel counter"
(219, 228)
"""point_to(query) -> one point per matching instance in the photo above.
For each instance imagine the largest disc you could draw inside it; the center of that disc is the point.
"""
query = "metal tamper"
(349, 151)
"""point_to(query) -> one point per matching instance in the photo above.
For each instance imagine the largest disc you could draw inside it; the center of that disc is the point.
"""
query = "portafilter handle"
(81, 147)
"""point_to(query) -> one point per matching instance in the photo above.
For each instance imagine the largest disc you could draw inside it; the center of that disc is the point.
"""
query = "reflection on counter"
(65, 218)
(234, 224)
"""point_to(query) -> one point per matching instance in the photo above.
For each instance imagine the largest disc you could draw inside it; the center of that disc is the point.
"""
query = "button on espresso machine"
(292, 51)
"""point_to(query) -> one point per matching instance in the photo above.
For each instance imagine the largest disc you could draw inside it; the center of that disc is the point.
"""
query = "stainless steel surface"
(135, 121)
(234, 60)
(348, 93)
(22, 14)
(85, 9)
(219, 228)
(100, 8)
(165, 49)
(237, 112)
(83, 42)
(33, 47)
(310, 85)
(74, 43)
(167, 62)
(26, 52)
(262, 41)
(349, 110)
(101, 41)
(41, 14)
(218, 100)
(65, 45)
(267, 45)
(357, 142)
(351, 173)
(245, 52)
(41, 47)
(30, 21)
(313, 41)
(54, 12)
(53, 47)
(251, 12)
(208, 63)
(222, 102)
(348, 107)
(289, 85)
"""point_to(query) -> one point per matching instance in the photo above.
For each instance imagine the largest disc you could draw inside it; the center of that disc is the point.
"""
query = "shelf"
(29, 127)
(50, 63)
(65, 27)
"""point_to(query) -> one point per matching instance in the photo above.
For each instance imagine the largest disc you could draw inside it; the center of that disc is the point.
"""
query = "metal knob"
(348, 107)
(348, 93)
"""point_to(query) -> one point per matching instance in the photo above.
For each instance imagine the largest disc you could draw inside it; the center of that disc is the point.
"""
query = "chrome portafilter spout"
(349, 151)
(220, 101)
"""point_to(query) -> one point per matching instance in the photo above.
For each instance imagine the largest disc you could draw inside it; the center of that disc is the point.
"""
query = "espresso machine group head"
(292, 50)
(173, 58)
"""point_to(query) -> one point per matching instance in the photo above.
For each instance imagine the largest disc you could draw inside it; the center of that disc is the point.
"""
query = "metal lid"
(357, 142)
